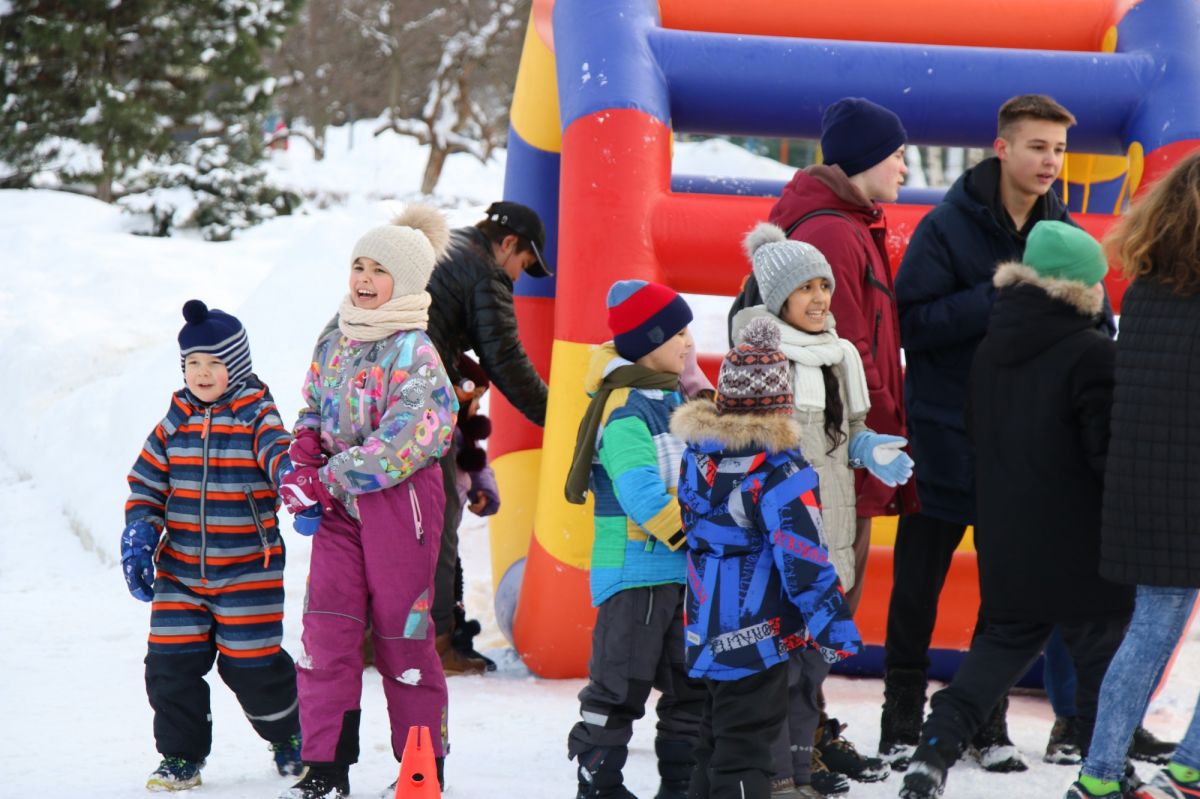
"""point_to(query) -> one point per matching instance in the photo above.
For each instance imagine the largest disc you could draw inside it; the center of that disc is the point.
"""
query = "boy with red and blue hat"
(626, 455)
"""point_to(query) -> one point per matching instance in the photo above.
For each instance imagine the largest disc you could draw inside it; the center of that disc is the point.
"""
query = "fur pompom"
(429, 221)
(471, 460)
(763, 233)
(761, 334)
(476, 427)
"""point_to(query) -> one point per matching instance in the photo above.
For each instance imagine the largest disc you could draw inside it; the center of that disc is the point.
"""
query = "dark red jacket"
(863, 305)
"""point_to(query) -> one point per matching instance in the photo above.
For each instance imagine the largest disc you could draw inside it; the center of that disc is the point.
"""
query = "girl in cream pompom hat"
(379, 411)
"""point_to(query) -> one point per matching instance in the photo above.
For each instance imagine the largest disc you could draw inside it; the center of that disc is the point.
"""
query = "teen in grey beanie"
(782, 265)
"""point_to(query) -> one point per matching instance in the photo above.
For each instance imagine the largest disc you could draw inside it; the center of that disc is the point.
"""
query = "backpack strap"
(869, 275)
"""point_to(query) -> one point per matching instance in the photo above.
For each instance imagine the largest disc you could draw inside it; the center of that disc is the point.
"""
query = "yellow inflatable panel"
(564, 530)
(511, 528)
(883, 534)
(534, 112)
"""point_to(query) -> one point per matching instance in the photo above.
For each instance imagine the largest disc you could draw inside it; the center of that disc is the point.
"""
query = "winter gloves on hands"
(882, 456)
(305, 451)
(302, 489)
(137, 558)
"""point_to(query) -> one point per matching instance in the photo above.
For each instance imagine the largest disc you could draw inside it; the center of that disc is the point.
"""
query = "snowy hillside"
(88, 318)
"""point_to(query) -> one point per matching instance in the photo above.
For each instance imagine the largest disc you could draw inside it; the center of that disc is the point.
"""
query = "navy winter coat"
(760, 582)
(944, 293)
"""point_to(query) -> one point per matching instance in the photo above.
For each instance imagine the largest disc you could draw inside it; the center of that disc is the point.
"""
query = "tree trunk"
(433, 167)
(104, 187)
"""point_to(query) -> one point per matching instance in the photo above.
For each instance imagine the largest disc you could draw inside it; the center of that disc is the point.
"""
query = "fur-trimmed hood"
(698, 423)
(1073, 293)
(1033, 314)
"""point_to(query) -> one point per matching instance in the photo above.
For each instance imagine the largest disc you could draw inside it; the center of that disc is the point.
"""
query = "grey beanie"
(782, 265)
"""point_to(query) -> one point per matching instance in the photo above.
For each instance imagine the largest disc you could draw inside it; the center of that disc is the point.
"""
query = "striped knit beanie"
(216, 333)
(755, 376)
(642, 316)
(781, 265)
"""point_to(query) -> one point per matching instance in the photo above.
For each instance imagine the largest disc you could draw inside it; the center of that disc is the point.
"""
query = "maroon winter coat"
(863, 305)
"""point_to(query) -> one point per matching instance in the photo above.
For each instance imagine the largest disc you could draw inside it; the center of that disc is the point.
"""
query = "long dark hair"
(835, 413)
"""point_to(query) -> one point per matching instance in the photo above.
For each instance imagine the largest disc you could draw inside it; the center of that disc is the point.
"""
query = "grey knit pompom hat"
(782, 265)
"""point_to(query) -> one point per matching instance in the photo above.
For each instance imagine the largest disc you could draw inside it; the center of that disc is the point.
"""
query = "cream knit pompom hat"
(408, 248)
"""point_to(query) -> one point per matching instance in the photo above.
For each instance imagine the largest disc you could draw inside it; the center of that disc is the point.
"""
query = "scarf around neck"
(629, 376)
(406, 312)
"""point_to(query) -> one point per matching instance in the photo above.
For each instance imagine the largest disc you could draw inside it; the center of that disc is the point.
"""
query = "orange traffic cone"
(418, 769)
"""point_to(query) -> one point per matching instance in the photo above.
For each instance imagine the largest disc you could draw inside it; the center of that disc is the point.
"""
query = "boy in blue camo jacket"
(760, 582)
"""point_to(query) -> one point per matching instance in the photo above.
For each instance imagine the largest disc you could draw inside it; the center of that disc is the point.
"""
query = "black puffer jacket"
(1152, 485)
(1040, 396)
(944, 293)
(473, 310)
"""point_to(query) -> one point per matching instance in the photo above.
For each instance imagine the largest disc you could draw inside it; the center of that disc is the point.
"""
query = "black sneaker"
(826, 782)
(175, 774)
(841, 756)
(1147, 747)
(287, 756)
(1063, 747)
(903, 713)
(992, 747)
(321, 781)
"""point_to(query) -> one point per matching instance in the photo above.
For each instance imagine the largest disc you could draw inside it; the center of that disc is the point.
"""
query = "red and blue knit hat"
(642, 316)
(215, 332)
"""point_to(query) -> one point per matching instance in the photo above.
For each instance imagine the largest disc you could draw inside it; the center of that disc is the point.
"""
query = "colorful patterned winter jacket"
(383, 409)
(760, 582)
(634, 474)
(207, 474)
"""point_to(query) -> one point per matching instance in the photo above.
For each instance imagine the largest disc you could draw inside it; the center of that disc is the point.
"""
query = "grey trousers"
(637, 645)
(793, 747)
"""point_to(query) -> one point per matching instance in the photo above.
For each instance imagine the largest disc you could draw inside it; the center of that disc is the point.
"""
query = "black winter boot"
(600, 774)
(1063, 747)
(841, 756)
(926, 777)
(321, 781)
(675, 764)
(1145, 746)
(992, 747)
(903, 713)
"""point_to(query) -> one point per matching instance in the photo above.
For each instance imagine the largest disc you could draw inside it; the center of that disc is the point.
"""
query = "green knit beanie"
(1064, 252)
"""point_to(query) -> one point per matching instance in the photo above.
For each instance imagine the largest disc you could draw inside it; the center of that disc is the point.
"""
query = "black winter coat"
(944, 293)
(473, 310)
(1040, 395)
(1152, 496)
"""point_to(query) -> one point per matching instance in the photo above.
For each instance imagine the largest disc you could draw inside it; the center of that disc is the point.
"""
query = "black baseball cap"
(524, 221)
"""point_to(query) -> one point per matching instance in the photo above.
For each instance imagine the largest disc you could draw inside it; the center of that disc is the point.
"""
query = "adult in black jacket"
(473, 310)
(1040, 393)
(1151, 516)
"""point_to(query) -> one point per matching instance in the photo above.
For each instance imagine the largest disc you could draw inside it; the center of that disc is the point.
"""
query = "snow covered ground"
(88, 318)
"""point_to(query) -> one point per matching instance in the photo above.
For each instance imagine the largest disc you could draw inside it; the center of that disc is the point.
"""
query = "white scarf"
(406, 312)
(808, 352)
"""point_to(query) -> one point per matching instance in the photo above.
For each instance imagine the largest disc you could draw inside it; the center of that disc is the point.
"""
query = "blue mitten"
(137, 558)
(308, 521)
(882, 456)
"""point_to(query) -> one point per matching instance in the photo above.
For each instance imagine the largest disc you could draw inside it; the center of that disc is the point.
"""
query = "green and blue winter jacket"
(634, 475)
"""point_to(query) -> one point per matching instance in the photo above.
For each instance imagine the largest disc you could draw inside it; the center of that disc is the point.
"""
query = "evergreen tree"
(128, 79)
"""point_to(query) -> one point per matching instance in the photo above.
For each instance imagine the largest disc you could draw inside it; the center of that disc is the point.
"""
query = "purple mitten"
(306, 449)
(483, 489)
(302, 489)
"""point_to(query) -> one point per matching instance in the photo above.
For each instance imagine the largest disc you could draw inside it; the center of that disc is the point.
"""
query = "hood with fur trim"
(697, 422)
(1032, 313)
(1080, 297)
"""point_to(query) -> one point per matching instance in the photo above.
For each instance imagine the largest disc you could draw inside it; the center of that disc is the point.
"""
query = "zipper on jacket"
(874, 281)
(204, 491)
(262, 532)
(649, 606)
(875, 338)
(416, 512)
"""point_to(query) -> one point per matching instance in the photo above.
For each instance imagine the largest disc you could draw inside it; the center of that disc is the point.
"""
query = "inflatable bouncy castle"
(603, 87)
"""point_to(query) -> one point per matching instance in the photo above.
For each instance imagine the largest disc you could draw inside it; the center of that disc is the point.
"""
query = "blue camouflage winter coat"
(759, 581)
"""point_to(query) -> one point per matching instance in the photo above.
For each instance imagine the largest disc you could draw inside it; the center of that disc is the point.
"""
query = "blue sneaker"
(175, 774)
(287, 756)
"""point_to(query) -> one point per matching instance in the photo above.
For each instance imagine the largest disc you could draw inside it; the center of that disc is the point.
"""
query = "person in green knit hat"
(1040, 394)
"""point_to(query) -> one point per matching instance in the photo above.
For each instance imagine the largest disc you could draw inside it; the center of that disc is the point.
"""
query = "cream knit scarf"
(406, 312)
(808, 352)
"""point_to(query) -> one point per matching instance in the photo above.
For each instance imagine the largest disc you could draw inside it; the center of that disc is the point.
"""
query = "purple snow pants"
(378, 569)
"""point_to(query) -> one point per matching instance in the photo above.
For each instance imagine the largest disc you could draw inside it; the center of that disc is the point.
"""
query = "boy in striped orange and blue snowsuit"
(201, 511)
